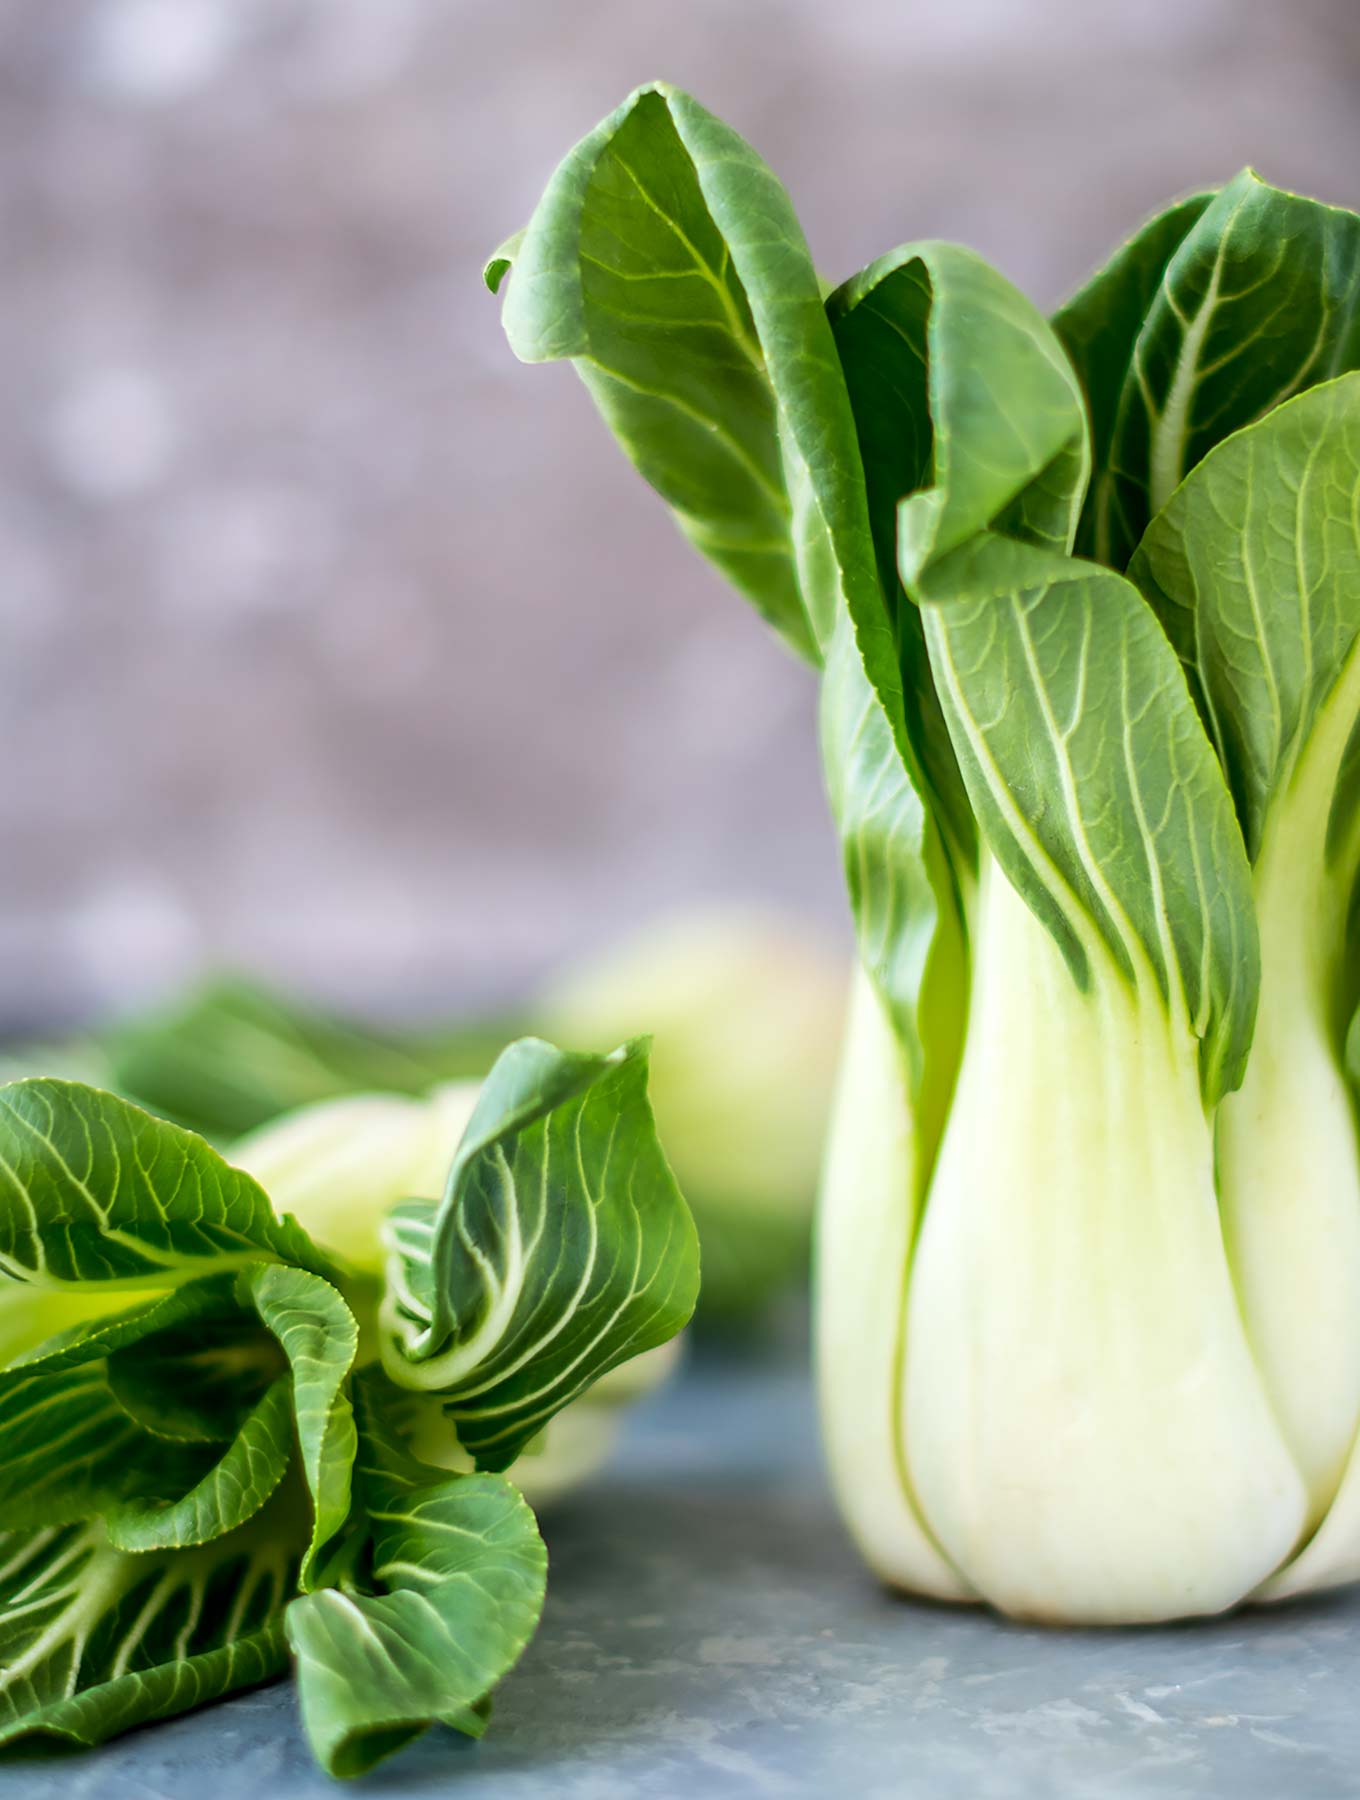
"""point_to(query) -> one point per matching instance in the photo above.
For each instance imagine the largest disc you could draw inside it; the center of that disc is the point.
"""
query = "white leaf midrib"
(1170, 424)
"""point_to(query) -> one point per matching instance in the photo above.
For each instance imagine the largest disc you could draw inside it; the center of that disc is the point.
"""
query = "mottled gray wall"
(337, 645)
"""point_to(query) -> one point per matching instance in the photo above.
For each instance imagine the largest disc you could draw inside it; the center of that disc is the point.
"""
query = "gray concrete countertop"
(708, 1633)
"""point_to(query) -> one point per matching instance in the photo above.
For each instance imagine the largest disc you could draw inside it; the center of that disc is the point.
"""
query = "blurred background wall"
(336, 646)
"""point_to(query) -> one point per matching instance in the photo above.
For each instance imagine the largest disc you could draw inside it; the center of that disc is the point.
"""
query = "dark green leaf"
(176, 1364)
(561, 1248)
(1253, 567)
(320, 1338)
(68, 1445)
(308, 1326)
(225, 1495)
(1098, 790)
(196, 1382)
(638, 265)
(94, 1189)
(666, 261)
(1121, 839)
(459, 1572)
(1260, 300)
(879, 321)
(93, 1641)
(1098, 327)
(233, 1055)
(68, 1450)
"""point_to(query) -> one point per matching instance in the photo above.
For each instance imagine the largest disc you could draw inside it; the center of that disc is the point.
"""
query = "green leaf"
(666, 261)
(459, 1571)
(225, 1496)
(196, 1381)
(1099, 792)
(1080, 747)
(233, 1055)
(907, 897)
(68, 1449)
(1260, 300)
(561, 1248)
(192, 1306)
(116, 1416)
(639, 264)
(1098, 327)
(68, 1445)
(879, 322)
(320, 1339)
(176, 1364)
(1253, 567)
(94, 1189)
(317, 1336)
(93, 1641)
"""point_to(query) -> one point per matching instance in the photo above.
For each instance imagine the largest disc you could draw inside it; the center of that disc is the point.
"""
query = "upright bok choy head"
(1084, 596)
(214, 1430)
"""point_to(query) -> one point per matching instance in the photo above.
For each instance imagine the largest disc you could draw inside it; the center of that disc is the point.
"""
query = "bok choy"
(342, 1169)
(743, 1007)
(210, 1466)
(1084, 595)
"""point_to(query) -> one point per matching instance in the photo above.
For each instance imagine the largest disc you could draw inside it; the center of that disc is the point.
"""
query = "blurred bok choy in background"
(745, 1009)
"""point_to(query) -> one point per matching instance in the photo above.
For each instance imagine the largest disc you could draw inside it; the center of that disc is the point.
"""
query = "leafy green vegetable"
(94, 1189)
(194, 1381)
(1070, 715)
(183, 1490)
(230, 1492)
(661, 169)
(70, 1450)
(93, 1641)
(1090, 1227)
(231, 1056)
(745, 1009)
(318, 1335)
(1252, 567)
(561, 1248)
(1258, 299)
(346, 1165)
(1099, 328)
(640, 261)
(458, 1574)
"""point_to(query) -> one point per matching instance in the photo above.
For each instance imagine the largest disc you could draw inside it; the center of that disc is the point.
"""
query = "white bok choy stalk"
(1085, 599)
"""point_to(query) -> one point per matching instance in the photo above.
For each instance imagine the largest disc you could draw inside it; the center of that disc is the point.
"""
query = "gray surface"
(335, 643)
(708, 1633)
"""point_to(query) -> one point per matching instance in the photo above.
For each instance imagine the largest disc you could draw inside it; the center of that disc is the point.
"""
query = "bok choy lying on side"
(207, 1460)
(1085, 599)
